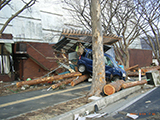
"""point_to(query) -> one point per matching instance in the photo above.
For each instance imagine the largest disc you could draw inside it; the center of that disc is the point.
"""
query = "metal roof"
(69, 44)
(108, 39)
(69, 39)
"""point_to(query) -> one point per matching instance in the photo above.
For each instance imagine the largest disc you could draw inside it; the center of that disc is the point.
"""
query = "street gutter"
(100, 103)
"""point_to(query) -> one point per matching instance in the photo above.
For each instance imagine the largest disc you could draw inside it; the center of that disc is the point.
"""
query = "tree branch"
(29, 4)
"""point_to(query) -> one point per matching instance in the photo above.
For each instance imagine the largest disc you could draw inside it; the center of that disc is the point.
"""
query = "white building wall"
(43, 22)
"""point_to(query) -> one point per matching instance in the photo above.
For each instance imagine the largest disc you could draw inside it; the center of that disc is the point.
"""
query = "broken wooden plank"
(151, 68)
(131, 67)
(63, 82)
(112, 87)
(131, 84)
(48, 79)
(80, 79)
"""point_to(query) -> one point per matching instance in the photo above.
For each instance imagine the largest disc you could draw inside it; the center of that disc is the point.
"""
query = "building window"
(21, 48)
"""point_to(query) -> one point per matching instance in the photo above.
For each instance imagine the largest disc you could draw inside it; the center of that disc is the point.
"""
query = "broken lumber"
(131, 67)
(48, 79)
(63, 82)
(131, 84)
(113, 87)
(80, 79)
(151, 68)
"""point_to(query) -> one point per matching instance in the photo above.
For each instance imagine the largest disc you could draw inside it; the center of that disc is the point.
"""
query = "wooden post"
(131, 67)
(112, 87)
(80, 79)
(48, 79)
(63, 82)
(131, 84)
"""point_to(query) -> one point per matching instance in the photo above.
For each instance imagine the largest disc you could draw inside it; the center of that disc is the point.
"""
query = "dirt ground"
(8, 88)
(52, 111)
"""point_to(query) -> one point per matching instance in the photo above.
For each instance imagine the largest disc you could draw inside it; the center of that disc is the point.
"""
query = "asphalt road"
(145, 105)
(13, 105)
(148, 107)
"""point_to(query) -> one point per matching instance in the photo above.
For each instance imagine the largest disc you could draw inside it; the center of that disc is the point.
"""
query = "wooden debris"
(133, 67)
(63, 82)
(151, 68)
(80, 79)
(143, 71)
(131, 84)
(112, 87)
(48, 79)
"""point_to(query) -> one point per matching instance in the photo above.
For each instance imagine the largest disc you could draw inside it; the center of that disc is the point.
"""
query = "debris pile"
(133, 71)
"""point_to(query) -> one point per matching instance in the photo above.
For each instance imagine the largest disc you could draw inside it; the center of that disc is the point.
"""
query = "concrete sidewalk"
(100, 103)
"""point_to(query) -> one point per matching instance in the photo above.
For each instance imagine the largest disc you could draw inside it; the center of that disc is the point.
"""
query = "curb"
(100, 103)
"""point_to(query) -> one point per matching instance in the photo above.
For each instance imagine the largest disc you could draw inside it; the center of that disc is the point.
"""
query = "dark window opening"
(21, 48)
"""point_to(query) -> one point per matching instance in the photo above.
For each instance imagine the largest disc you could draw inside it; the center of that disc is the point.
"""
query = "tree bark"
(113, 87)
(63, 82)
(131, 84)
(97, 47)
(80, 79)
(48, 79)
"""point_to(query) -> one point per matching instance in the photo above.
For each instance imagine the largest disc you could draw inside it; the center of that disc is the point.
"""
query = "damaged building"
(22, 60)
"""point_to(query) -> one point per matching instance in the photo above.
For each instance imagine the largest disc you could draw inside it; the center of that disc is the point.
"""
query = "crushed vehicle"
(112, 70)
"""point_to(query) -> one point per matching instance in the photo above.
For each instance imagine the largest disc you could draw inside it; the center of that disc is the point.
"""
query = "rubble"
(134, 70)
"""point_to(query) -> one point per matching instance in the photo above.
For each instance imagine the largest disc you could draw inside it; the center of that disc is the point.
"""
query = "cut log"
(48, 79)
(131, 67)
(112, 87)
(80, 79)
(63, 82)
(131, 84)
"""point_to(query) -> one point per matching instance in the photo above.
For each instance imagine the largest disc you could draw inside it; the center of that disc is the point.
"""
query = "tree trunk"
(97, 47)
(63, 82)
(80, 79)
(131, 84)
(113, 87)
(127, 59)
(48, 79)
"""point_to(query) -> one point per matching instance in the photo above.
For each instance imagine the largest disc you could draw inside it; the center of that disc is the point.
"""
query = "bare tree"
(118, 17)
(97, 48)
(150, 10)
(4, 3)
(126, 24)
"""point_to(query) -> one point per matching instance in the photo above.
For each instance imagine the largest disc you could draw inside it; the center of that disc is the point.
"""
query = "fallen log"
(48, 79)
(131, 84)
(131, 67)
(63, 82)
(113, 87)
(80, 79)
(151, 68)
